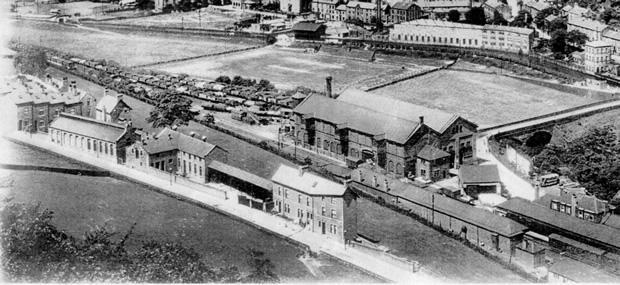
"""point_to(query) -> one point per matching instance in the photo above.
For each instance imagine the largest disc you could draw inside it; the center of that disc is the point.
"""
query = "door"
(323, 227)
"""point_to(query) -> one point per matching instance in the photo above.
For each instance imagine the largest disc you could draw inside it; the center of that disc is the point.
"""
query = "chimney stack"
(421, 119)
(174, 127)
(573, 205)
(192, 134)
(119, 96)
(204, 138)
(328, 87)
(302, 170)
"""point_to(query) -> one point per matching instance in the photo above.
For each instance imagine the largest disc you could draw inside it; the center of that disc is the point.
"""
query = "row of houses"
(444, 33)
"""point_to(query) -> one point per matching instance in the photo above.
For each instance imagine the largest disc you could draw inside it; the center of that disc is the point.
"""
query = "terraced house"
(322, 206)
(360, 126)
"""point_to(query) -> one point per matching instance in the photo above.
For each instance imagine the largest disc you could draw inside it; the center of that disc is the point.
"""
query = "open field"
(82, 203)
(84, 8)
(285, 68)
(188, 20)
(486, 99)
(445, 257)
(128, 49)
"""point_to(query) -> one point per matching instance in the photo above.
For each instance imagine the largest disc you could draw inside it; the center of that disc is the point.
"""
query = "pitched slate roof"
(550, 18)
(107, 103)
(242, 175)
(494, 3)
(430, 153)
(587, 24)
(308, 183)
(609, 33)
(583, 228)
(168, 140)
(88, 127)
(402, 5)
(465, 212)
(536, 5)
(581, 272)
(436, 119)
(365, 5)
(479, 174)
(437, 23)
(357, 118)
(307, 27)
(587, 202)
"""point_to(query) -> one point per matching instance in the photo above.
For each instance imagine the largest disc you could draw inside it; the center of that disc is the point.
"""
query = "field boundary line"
(196, 57)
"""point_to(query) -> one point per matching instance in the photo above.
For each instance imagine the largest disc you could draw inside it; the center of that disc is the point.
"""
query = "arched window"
(338, 150)
(391, 167)
(318, 142)
(88, 144)
(325, 145)
(71, 142)
(332, 147)
(353, 152)
(399, 169)
(82, 143)
(305, 138)
(298, 135)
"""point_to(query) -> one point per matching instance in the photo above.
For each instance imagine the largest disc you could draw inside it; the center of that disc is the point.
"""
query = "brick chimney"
(204, 138)
(573, 204)
(192, 134)
(328, 87)
(302, 170)
(119, 96)
(421, 119)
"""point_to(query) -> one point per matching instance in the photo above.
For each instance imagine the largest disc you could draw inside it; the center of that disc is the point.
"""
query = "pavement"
(264, 220)
(515, 185)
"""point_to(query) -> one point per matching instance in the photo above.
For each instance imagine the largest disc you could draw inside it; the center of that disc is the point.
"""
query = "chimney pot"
(328, 87)
(192, 134)
(302, 170)
(204, 138)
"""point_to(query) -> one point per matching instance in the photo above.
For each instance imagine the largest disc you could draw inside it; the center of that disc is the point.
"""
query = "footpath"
(231, 206)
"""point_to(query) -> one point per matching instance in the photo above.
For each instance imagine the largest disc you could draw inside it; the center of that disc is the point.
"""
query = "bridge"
(547, 121)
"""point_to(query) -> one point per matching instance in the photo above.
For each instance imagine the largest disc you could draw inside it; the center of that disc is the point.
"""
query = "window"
(299, 198)
(333, 201)
(318, 142)
(308, 201)
(41, 111)
(106, 148)
(333, 213)
(200, 171)
(101, 147)
(568, 210)
(562, 208)
(279, 191)
(323, 211)
(325, 145)
(286, 193)
(287, 208)
(399, 169)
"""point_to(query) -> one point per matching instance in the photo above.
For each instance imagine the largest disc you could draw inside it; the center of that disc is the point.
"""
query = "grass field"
(445, 257)
(486, 99)
(82, 203)
(128, 49)
(285, 68)
(188, 20)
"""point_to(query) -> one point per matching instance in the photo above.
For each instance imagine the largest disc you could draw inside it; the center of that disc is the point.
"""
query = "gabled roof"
(297, 95)
(242, 175)
(402, 5)
(550, 18)
(494, 3)
(357, 118)
(586, 202)
(307, 27)
(88, 127)
(307, 183)
(609, 33)
(168, 140)
(536, 5)
(341, 7)
(107, 103)
(431, 153)
(436, 119)
(479, 174)
(365, 5)
(586, 229)
(587, 24)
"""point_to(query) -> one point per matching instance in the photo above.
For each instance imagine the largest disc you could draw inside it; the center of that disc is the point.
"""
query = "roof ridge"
(63, 114)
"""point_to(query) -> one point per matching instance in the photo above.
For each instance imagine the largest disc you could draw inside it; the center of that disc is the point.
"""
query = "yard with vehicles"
(486, 99)
(285, 68)
(125, 48)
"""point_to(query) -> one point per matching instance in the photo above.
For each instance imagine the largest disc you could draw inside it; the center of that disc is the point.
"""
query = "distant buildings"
(490, 6)
(431, 32)
(320, 205)
(478, 179)
(112, 109)
(103, 140)
(592, 28)
(366, 11)
(296, 6)
(597, 56)
(404, 12)
(308, 31)
(534, 7)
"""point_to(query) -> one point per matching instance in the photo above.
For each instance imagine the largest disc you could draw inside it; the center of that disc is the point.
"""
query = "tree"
(558, 24)
(170, 109)
(35, 250)
(223, 79)
(498, 19)
(454, 16)
(539, 20)
(607, 15)
(522, 20)
(558, 41)
(265, 85)
(576, 38)
(475, 16)
(30, 60)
